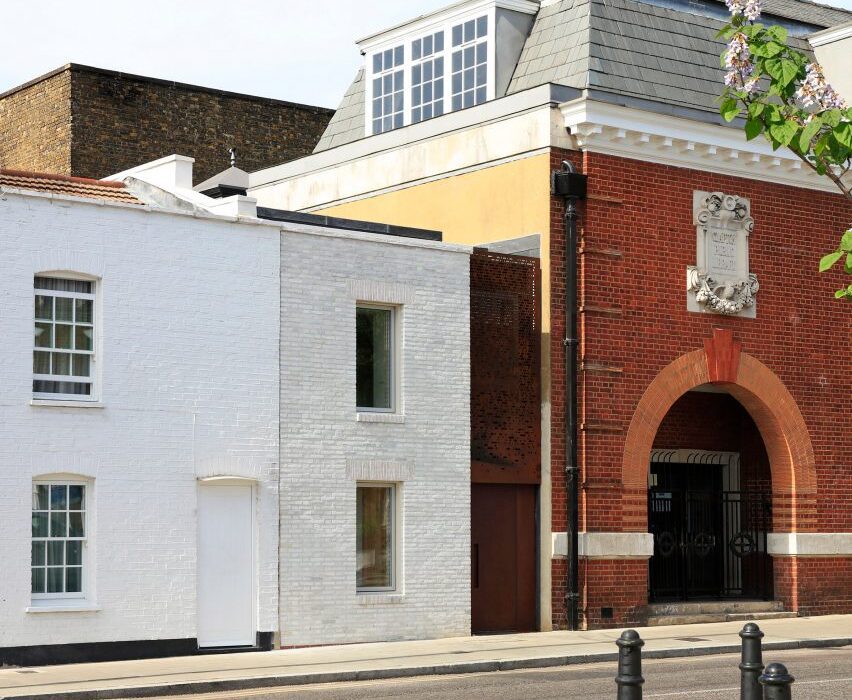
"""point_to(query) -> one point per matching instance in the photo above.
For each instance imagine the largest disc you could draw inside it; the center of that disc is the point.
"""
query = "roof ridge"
(62, 178)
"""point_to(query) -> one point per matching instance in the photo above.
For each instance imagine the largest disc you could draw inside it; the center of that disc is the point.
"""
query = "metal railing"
(756, 682)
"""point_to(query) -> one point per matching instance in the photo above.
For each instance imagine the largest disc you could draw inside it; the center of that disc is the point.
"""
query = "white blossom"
(739, 65)
(816, 92)
(750, 9)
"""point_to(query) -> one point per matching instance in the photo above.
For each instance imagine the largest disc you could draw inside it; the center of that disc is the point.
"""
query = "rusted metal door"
(503, 557)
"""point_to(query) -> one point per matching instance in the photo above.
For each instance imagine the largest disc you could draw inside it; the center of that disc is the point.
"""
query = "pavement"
(352, 662)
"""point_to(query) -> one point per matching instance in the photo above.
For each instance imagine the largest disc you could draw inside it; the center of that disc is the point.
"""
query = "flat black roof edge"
(297, 217)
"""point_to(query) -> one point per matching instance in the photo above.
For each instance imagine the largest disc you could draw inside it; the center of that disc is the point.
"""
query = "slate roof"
(71, 186)
(347, 124)
(632, 48)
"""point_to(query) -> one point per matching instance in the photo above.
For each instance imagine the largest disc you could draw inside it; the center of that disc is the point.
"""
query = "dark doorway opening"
(709, 503)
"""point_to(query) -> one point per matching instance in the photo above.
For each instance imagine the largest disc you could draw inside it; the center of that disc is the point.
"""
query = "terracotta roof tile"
(64, 184)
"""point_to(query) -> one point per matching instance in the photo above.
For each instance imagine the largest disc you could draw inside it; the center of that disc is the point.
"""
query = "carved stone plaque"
(720, 281)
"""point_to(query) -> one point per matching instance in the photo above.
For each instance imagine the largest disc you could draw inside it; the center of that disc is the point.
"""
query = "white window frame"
(92, 379)
(394, 357)
(474, 43)
(419, 30)
(421, 63)
(395, 535)
(82, 594)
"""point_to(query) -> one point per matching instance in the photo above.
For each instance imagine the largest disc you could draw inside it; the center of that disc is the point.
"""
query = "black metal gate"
(709, 544)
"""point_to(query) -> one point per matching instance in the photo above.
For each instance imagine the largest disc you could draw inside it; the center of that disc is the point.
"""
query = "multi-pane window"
(469, 63)
(375, 537)
(388, 89)
(58, 539)
(427, 77)
(64, 338)
(374, 358)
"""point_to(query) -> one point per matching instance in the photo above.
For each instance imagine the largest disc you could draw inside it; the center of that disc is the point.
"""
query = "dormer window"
(427, 77)
(470, 63)
(449, 60)
(388, 88)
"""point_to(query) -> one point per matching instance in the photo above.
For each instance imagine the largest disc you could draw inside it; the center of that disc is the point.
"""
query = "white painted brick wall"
(190, 388)
(320, 436)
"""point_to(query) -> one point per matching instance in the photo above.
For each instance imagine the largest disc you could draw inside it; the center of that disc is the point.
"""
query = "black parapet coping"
(297, 217)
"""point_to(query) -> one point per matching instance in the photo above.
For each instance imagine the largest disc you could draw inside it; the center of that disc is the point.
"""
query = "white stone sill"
(377, 417)
(69, 608)
(58, 403)
(380, 598)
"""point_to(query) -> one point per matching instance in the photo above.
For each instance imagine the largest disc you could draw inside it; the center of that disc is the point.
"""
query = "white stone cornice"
(601, 127)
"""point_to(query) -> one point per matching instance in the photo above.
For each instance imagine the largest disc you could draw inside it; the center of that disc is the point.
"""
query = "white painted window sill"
(68, 607)
(376, 417)
(380, 598)
(58, 403)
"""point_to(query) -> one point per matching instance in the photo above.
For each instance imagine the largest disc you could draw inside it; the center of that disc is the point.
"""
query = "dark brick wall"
(35, 126)
(112, 121)
(505, 329)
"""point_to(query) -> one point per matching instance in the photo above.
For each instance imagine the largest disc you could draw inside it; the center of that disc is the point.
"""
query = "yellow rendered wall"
(508, 200)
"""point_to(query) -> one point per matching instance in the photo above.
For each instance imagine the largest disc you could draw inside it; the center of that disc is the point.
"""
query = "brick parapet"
(35, 126)
(92, 122)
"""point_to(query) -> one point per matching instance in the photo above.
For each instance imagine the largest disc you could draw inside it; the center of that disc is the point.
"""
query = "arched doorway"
(721, 365)
(709, 502)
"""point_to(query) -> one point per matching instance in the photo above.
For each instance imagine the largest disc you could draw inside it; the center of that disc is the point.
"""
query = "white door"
(225, 565)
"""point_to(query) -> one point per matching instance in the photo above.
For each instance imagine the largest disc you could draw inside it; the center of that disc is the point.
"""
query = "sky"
(297, 51)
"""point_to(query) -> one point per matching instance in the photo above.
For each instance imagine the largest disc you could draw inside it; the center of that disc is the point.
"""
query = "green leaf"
(771, 49)
(832, 117)
(847, 266)
(784, 132)
(782, 70)
(773, 113)
(729, 109)
(827, 261)
(753, 128)
(843, 134)
(810, 130)
(777, 33)
(840, 293)
(755, 109)
(846, 242)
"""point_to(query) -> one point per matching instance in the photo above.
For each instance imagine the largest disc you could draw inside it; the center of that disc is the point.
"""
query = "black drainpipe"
(571, 185)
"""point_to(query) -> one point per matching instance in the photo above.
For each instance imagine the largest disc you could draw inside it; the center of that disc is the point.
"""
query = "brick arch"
(762, 394)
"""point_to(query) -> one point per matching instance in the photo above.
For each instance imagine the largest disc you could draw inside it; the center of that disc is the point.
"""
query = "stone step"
(700, 618)
(715, 607)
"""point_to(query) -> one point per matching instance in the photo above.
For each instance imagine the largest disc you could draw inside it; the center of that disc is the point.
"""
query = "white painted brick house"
(421, 445)
(184, 349)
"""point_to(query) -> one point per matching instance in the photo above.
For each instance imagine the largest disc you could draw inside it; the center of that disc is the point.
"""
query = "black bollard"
(776, 683)
(751, 665)
(629, 678)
